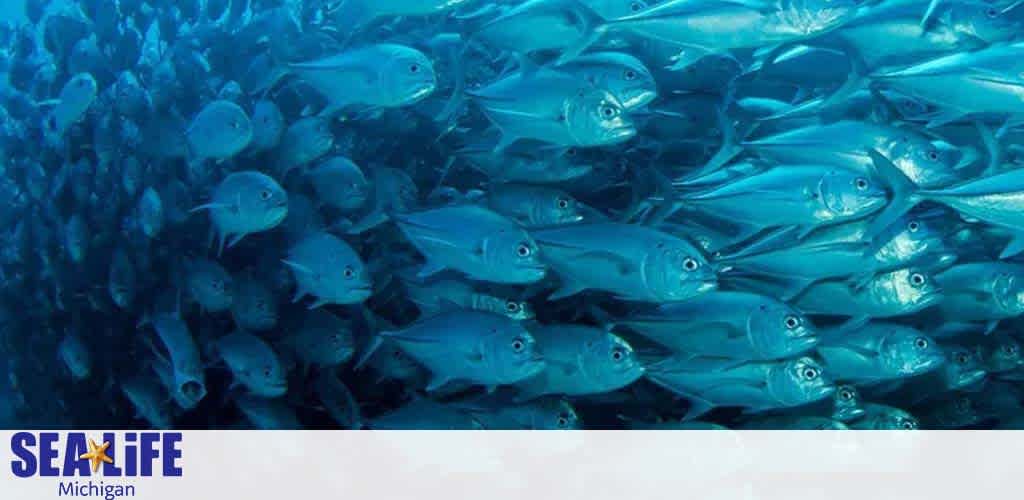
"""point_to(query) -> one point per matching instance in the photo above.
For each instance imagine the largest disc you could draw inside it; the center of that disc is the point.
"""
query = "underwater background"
(485, 214)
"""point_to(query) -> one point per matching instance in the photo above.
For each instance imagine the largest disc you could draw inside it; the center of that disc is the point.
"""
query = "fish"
(474, 241)
(580, 360)
(340, 183)
(737, 325)
(303, 141)
(981, 292)
(253, 364)
(554, 108)
(629, 261)
(881, 417)
(878, 351)
(151, 213)
(268, 126)
(322, 340)
(327, 268)
(220, 131)
(338, 401)
(436, 295)
(895, 293)
(77, 95)
(245, 203)
(472, 346)
(76, 356)
(534, 206)
(373, 76)
(540, 414)
(181, 369)
(708, 382)
(149, 401)
(210, 285)
(253, 305)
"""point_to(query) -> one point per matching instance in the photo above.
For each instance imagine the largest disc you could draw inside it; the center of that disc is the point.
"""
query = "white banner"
(374, 465)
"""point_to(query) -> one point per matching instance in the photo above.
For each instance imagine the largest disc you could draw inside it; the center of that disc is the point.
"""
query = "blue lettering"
(47, 454)
(172, 454)
(148, 452)
(111, 470)
(26, 466)
(74, 466)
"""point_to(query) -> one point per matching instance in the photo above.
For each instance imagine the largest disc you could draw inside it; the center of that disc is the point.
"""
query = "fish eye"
(913, 226)
(992, 12)
(570, 152)
(523, 250)
(562, 421)
(961, 358)
(690, 264)
(266, 371)
(861, 184)
(265, 195)
(809, 373)
(562, 203)
(349, 273)
(907, 425)
(917, 279)
(414, 68)
(618, 355)
(396, 354)
(846, 394)
(792, 322)
(933, 155)
(630, 75)
(921, 343)
(235, 124)
(518, 345)
(1009, 349)
(608, 111)
(636, 6)
(511, 307)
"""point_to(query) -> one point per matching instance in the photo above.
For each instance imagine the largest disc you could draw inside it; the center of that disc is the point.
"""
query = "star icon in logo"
(97, 454)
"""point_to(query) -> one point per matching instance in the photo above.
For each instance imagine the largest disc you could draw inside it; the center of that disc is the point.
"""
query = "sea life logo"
(76, 455)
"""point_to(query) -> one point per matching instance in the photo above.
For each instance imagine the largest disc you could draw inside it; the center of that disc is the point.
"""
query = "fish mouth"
(707, 286)
(847, 414)
(802, 344)
(621, 133)
(421, 92)
(822, 392)
(641, 98)
(970, 378)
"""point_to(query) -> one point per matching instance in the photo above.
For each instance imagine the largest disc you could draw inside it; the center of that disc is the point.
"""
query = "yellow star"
(96, 455)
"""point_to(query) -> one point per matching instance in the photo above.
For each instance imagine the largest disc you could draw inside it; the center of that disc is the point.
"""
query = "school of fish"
(508, 214)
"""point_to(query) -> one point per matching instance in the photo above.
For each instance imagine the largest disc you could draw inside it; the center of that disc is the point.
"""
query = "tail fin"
(595, 27)
(903, 191)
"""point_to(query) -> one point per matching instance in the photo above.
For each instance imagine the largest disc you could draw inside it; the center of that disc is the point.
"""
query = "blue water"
(283, 214)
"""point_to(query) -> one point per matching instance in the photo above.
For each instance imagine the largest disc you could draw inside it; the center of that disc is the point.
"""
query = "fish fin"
(375, 342)
(861, 280)
(429, 269)
(372, 220)
(855, 322)
(687, 57)
(903, 193)
(317, 304)
(297, 267)
(730, 148)
(1014, 246)
(855, 81)
(568, 288)
(944, 117)
(595, 26)
(437, 381)
(698, 407)
(992, 148)
(447, 305)
(235, 239)
(991, 326)
(211, 206)
(928, 13)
